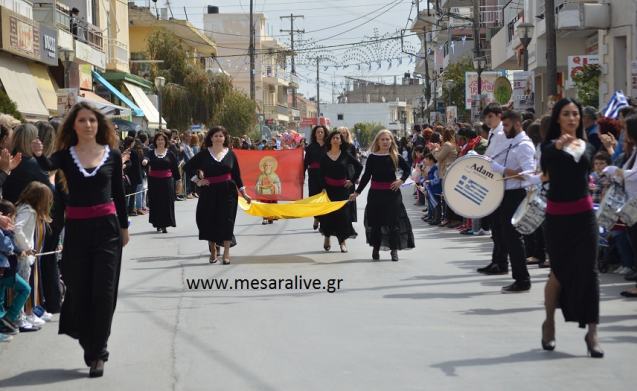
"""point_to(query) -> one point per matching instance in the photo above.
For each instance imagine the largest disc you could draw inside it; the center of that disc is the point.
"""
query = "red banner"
(272, 175)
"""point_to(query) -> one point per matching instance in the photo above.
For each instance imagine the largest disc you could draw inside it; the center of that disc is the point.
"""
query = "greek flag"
(617, 102)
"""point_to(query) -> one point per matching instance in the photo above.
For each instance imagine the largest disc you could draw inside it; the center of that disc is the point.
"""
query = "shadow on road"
(43, 376)
(450, 367)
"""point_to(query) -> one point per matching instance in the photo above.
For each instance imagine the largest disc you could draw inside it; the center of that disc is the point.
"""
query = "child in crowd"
(599, 182)
(32, 218)
(433, 186)
(9, 279)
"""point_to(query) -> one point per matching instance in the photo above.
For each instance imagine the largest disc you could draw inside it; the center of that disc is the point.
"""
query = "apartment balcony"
(572, 16)
(118, 56)
(505, 43)
(277, 112)
(455, 3)
(56, 14)
(425, 20)
(276, 76)
(20, 7)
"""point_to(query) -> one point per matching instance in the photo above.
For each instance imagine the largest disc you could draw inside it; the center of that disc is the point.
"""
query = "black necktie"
(489, 141)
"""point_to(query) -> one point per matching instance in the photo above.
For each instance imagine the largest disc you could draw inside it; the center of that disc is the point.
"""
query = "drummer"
(497, 141)
(514, 159)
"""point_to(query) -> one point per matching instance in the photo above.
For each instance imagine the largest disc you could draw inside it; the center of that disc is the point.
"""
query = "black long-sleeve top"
(103, 185)
(568, 179)
(313, 153)
(337, 169)
(211, 167)
(27, 171)
(167, 162)
(133, 168)
(381, 168)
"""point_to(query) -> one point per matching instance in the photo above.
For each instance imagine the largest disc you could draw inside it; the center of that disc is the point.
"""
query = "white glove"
(533, 179)
(497, 167)
(610, 170)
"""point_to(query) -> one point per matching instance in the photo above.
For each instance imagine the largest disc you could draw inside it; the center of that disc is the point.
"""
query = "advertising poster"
(272, 175)
(523, 90)
(488, 86)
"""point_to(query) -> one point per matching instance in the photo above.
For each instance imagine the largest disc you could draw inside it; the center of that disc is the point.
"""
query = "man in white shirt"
(515, 159)
(496, 141)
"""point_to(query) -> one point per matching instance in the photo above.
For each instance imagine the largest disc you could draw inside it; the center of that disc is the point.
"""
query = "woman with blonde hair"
(445, 155)
(387, 225)
(96, 227)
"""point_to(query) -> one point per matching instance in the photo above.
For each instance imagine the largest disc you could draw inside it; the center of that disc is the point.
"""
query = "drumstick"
(517, 175)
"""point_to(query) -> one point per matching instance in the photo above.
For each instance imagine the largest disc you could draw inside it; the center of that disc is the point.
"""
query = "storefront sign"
(48, 45)
(576, 64)
(67, 98)
(471, 86)
(523, 90)
(26, 38)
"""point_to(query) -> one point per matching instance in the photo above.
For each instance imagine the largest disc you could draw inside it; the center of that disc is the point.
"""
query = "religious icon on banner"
(272, 175)
(268, 182)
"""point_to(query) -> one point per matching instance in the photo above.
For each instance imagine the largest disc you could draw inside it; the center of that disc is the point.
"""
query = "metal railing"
(559, 4)
(54, 14)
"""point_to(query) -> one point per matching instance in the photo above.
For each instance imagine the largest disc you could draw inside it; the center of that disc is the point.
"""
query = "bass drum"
(471, 188)
(530, 215)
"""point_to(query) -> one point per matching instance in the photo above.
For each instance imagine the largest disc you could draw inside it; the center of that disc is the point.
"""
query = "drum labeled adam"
(471, 188)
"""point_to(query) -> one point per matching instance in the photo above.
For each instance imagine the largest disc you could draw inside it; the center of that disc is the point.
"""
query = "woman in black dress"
(571, 228)
(96, 227)
(163, 172)
(335, 181)
(220, 185)
(313, 153)
(387, 225)
(348, 142)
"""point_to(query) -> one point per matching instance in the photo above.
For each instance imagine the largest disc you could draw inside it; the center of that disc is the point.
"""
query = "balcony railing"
(277, 109)
(54, 14)
(19, 7)
(559, 4)
(87, 33)
(117, 52)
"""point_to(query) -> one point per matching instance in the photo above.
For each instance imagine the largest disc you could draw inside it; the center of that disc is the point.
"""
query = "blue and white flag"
(617, 102)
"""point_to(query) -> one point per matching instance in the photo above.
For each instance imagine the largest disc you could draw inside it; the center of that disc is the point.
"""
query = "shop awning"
(45, 86)
(137, 112)
(105, 107)
(150, 112)
(22, 87)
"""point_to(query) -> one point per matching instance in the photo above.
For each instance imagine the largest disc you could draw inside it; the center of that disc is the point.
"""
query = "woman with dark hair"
(445, 155)
(96, 227)
(628, 174)
(571, 228)
(387, 225)
(134, 172)
(348, 145)
(337, 182)
(217, 204)
(312, 163)
(163, 172)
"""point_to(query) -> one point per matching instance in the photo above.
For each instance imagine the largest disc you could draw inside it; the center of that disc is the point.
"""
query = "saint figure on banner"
(268, 182)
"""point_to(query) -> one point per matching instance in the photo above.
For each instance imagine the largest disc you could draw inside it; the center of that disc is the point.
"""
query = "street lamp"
(67, 56)
(479, 63)
(160, 82)
(527, 33)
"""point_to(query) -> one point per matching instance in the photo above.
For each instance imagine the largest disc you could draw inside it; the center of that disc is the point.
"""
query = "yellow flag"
(317, 205)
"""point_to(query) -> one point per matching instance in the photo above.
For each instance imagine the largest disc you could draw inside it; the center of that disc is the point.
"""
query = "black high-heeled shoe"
(316, 224)
(326, 244)
(164, 230)
(593, 350)
(550, 344)
(394, 255)
(375, 254)
(97, 369)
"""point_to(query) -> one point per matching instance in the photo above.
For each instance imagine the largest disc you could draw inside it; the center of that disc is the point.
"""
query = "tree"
(456, 73)
(587, 84)
(366, 131)
(7, 106)
(191, 94)
(238, 114)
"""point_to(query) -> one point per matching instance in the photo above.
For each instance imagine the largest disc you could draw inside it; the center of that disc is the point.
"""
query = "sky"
(329, 23)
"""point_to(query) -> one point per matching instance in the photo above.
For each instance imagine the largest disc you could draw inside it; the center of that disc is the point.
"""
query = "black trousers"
(90, 266)
(534, 245)
(507, 242)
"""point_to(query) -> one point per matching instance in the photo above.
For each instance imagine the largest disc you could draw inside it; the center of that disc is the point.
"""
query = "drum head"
(471, 188)
(523, 208)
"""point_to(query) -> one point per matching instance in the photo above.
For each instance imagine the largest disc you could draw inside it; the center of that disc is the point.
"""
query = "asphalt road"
(428, 322)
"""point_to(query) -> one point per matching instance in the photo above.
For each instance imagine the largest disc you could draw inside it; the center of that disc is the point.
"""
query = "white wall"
(358, 112)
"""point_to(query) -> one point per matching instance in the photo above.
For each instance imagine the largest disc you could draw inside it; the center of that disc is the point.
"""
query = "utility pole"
(551, 49)
(476, 39)
(251, 51)
(318, 91)
(292, 31)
